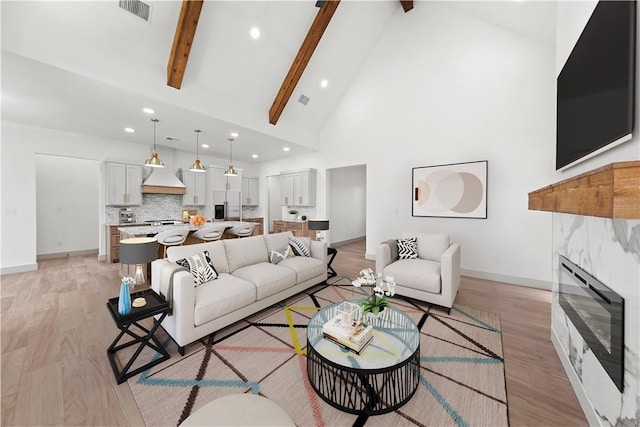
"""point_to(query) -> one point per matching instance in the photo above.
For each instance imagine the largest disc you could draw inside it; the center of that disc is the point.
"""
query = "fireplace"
(597, 312)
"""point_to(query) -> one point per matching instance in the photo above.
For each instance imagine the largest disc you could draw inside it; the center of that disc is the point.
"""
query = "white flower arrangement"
(381, 286)
(126, 280)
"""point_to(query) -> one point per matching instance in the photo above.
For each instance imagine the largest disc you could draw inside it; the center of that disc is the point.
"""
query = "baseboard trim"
(513, 280)
(18, 269)
(66, 254)
(345, 242)
(592, 417)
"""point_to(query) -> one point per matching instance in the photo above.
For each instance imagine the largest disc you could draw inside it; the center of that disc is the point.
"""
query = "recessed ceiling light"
(148, 110)
(205, 145)
(286, 149)
(234, 134)
(130, 130)
(324, 83)
(255, 33)
(255, 156)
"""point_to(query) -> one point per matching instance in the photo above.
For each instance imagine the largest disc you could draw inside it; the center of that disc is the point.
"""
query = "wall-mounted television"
(596, 87)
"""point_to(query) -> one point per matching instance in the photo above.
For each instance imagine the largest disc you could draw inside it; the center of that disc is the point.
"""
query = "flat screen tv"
(596, 87)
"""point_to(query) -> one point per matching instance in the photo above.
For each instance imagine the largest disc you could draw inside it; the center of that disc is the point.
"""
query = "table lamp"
(318, 225)
(138, 251)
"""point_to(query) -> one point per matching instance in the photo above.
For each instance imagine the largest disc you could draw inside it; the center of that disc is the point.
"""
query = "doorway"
(67, 206)
(347, 203)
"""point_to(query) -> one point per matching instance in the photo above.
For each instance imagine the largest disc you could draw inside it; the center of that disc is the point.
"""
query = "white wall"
(442, 87)
(19, 145)
(347, 203)
(67, 204)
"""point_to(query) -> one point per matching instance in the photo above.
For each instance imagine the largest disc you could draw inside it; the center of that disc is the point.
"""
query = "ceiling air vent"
(304, 100)
(139, 8)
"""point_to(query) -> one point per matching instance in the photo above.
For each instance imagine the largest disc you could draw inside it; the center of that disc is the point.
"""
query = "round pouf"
(232, 411)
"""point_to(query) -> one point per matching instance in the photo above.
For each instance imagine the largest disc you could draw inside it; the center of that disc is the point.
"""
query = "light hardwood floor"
(56, 329)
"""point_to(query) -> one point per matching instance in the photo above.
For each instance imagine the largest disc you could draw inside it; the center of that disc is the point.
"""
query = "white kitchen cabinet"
(299, 188)
(196, 183)
(220, 182)
(124, 184)
(250, 191)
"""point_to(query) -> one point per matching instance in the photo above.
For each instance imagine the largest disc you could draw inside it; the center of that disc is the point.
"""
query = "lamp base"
(138, 278)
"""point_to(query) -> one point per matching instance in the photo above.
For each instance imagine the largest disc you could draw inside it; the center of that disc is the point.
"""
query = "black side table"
(333, 252)
(155, 305)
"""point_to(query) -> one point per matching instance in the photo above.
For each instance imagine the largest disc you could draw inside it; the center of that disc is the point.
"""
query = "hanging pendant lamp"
(197, 166)
(230, 170)
(154, 161)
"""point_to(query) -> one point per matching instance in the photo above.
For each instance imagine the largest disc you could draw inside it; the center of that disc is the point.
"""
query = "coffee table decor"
(381, 286)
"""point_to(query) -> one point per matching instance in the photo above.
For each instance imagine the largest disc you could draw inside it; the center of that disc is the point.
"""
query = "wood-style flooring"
(56, 329)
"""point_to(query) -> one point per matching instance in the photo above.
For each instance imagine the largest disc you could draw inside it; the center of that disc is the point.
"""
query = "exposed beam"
(303, 57)
(407, 5)
(182, 41)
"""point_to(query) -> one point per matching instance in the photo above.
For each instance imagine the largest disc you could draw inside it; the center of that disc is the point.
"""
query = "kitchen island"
(152, 230)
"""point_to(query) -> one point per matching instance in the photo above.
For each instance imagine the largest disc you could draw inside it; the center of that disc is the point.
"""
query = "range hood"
(162, 181)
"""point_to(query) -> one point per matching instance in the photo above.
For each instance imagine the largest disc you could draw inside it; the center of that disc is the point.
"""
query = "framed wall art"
(457, 190)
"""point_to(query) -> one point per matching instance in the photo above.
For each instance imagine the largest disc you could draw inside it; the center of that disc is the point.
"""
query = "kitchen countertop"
(145, 230)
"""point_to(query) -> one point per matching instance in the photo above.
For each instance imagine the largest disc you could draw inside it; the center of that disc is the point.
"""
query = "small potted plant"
(293, 213)
(381, 286)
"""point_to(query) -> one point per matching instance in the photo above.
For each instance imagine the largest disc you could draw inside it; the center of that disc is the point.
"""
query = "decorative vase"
(124, 302)
(372, 318)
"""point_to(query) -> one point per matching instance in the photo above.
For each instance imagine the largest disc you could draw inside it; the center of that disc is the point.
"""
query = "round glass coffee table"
(383, 377)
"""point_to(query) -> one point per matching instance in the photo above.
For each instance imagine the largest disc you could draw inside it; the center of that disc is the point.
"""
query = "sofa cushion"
(216, 250)
(408, 248)
(278, 256)
(200, 266)
(300, 246)
(305, 267)
(276, 241)
(221, 296)
(268, 278)
(245, 251)
(432, 246)
(419, 274)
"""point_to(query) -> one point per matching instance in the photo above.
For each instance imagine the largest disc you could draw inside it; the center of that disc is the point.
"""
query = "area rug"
(461, 379)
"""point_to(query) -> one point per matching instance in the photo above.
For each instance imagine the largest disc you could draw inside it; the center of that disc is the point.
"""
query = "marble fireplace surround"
(602, 236)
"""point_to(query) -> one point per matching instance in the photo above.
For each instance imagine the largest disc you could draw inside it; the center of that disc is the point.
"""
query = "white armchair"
(433, 276)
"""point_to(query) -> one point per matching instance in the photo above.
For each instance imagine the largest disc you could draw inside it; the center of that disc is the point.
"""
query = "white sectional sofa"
(247, 282)
(432, 276)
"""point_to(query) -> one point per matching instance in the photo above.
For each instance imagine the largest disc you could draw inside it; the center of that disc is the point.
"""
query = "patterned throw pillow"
(408, 248)
(299, 246)
(200, 266)
(280, 255)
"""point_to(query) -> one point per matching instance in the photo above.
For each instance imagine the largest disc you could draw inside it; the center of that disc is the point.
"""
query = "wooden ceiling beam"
(407, 5)
(319, 25)
(182, 41)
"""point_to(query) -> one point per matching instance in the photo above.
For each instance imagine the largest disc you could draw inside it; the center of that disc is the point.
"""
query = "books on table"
(354, 337)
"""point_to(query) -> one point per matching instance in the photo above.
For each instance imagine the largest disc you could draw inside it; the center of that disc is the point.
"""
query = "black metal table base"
(333, 252)
(363, 391)
(147, 340)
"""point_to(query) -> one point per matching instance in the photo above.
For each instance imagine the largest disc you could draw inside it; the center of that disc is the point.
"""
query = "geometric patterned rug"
(462, 380)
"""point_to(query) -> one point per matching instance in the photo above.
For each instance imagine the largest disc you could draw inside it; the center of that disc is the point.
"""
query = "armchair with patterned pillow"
(425, 266)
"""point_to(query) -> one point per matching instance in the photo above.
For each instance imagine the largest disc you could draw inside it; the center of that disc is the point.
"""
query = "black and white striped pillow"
(408, 248)
(299, 246)
(200, 266)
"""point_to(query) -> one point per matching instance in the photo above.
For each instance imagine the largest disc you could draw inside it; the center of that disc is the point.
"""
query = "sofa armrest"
(319, 250)
(450, 273)
(383, 256)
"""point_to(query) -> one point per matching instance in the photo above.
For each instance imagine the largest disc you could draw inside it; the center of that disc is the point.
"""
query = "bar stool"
(210, 232)
(171, 237)
(242, 230)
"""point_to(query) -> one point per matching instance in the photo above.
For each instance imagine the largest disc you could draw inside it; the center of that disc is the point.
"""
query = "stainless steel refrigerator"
(226, 205)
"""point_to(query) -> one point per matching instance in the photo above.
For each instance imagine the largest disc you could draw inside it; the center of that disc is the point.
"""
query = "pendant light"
(154, 161)
(230, 170)
(197, 166)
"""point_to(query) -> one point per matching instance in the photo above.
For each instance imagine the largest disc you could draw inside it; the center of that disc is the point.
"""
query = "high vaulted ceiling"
(90, 67)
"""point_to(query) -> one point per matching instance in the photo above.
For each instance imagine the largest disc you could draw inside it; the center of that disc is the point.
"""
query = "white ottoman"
(239, 410)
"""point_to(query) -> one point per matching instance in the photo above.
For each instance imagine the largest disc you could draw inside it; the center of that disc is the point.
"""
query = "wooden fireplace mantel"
(612, 191)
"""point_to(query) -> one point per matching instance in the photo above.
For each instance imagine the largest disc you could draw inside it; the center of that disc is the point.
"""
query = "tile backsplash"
(154, 206)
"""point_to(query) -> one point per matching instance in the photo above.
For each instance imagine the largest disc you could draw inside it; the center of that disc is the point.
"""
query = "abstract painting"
(457, 190)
